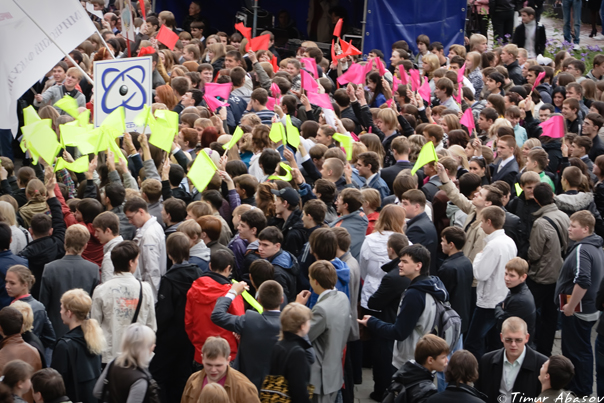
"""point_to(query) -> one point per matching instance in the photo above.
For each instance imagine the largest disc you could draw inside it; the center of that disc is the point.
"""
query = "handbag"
(275, 388)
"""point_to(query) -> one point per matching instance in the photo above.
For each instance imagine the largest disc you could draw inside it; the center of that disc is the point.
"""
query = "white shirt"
(510, 373)
(504, 163)
(530, 32)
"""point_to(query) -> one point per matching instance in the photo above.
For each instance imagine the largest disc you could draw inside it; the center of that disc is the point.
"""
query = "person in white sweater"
(489, 270)
(107, 230)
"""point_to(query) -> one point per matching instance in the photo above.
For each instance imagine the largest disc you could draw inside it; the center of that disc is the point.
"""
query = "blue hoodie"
(286, 272)
(343, 272)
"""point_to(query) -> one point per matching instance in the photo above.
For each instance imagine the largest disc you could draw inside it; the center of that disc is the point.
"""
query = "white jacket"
(374, 254)
(107, 265)
(21, 238)
(489, 269)
(113, 306)
(152, 261)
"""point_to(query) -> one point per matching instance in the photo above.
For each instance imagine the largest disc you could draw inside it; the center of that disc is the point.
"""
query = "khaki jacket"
(237, 386)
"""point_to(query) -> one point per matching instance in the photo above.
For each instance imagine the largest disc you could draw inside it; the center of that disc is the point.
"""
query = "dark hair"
(178, 246)
(116, 193)
(543, 194)
(316, 209)
(271, 234)
(16, 371)
(455, 235)
(419, 254)
(235, 169)
(49, 383)
(324, 244)
(343, 236)
(122, 254)
(462, 368)
(261, 270)
(469, 182)
(11, 321)
(213, 197)
(269, 159)
(353, 198)
(40, 224)
(5, 236)
(326, 189)
(176, 174)
(134, 204)
(107, 219)
(254, 218)
(270, 294)
(324, 273)
(561, 371)
(176, 208)
(221, 259)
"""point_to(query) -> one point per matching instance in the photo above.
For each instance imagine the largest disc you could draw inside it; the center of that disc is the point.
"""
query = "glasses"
(509, 340)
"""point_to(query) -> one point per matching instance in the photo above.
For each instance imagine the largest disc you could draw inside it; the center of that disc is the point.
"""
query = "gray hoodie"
(356, 224)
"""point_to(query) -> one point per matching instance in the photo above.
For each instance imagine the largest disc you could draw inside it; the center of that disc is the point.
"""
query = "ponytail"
(93, 334)
(585, 185)
(79, 303)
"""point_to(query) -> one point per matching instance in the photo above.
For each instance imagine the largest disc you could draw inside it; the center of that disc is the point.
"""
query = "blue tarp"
(389, 21)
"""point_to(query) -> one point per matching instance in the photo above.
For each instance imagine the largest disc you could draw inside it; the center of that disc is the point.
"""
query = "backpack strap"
(551, 222)
(140, 302)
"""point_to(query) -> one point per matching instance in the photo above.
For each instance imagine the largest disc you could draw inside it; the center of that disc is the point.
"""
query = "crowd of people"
(300, 265)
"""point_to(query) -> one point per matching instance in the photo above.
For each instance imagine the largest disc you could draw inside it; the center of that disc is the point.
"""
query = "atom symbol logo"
(130, 92)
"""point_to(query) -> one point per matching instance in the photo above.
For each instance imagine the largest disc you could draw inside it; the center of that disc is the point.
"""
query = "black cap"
(290, 195)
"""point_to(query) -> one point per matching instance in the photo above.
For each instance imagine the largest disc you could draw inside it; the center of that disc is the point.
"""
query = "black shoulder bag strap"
(106, 383)
(140, 302)
(549, 220)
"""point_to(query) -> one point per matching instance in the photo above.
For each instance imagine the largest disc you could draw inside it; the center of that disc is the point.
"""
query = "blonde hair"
(78, 302)
(476, 61)
(477, 39)
(23, 274)
(499, 122)
(217, 49)
(392, 218)
(372, 197)
(458, 153)
(357, 149)
(514, 324)
(190, 228)
(76, 238)
(416, 142)
(28, 315)
(430, 60)
(137, 341)
(294, 315)
(7, 211)
(213, 393)
(388, 116)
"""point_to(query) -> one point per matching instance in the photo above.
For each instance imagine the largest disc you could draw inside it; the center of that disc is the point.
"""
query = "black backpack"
(447, 323)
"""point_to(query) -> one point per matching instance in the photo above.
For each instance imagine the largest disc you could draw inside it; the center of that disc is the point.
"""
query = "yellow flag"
(250, 300)
(202, 171)
(27, 130)
(426, 155)
(87, 142)
(114, 124)
(518, 189)
(145, 117)
(69, 105)
(84, 118)
(293, 134)
(43, 140)
(236, 137)
(288, 173)
(346, 142)
(277, 132)
(79, 165)
(163, 129)
(30, 115)
(71, 135)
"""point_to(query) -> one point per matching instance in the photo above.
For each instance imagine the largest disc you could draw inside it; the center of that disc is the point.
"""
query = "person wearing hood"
(417, 310)
(199, 253)
(416, 376)
(201, 300)
(285, 264)
(420, 229)
(313, 218)
(251, 223)
(287, 203)
(555, 374)
(349, 206)
(173, 344)
(462, 370)
(544, 89)
(576, 291)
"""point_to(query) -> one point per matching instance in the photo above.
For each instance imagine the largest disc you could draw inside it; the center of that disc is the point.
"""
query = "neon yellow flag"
(202, 171)
(163, 129)
(250, 300)
(87, 143)
(145, 117)
(346, 142)
(29, 129)
(518, 189)
(277, 132)
(69, 105)
(44, 141)
(288, 173)
(79, 165)
(236, 137)
(84, 118)
(71, 135)
(426, 155)
(170, 117)
(114, 124)
(293, 134)
(30, 115)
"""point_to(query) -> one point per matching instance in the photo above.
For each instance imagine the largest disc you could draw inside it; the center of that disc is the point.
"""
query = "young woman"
(165, 95)
(473, 73)
(478, 166)
(375, 87)
(371, 207)
(17, 376)
(77, 355)
(20, 236)
(19, 281)
(216, 54)
(558, 97)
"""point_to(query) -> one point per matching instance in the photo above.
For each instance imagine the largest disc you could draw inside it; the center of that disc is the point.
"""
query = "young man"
(509, 54)
(174, 212)
(246, 186)
(258, 332)
(151, 192)
(524, 206)
(519, 301)
(199, 253)
(485, 120)
(72, 271)
(420, 229)
(576, 68)
(417, 309)
(592, 124)
(494, 83)
(580, 148)
(437, 48)
(574, 90)
(400, 150)
(215, 356)
(171, 179)
(597, 72)
(48, 386)
(576, 288)
(349, 206)
(250, 225)
(435, 134)
(513, 368)
(313, 218)
(548, 243)
(456, 274)
(368, 165)
(57, 92)
(286, 265)
(257, 105)
(287, 202)
(489, 269)
(180, 86)
(151, 240)
(417, 376)
(570, 111)
(333, 171)
(13, 345)
(343, 254)
(507, 168)
(444, 92)
(530, 35)
(544, 88)
(329, 330)
(555, 374)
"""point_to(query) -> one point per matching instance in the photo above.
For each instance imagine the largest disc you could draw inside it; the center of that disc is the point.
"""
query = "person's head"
(313, 213)
(528, 181)
(137, 345)
(222, 262)
(576, 68)
(392, 218)
(444, 88)
(76, 239)
(322, 275)
(269, 160)
(325, 135)
(431, 352)
(368, 163)
(516, 271)
(493, 218)
(295, 319)
(452, 240)
(572, 177)
(261, 270)
(570, 107)
(556, 373)
(11, 321)
(527, 14)
(462, 368)
(434, 133)
(106, 226)
(592, 124)
(323, 244)
(270, 295)
(251, 223)
(19, 280)
(124, 257)
(270, 239)
(286, 201)
(211, 228)
(259, 98)
(349, 200)
(332, 169)
(582, 225)
(514, 336)
(178, 246)
(173, 211)
(543, 194)
(27, 312)
(136, 211)
(478, 43)
(17, 376)
(414, 261)
(47, 385)
(246, 185)
(215, 356)
(414, 202)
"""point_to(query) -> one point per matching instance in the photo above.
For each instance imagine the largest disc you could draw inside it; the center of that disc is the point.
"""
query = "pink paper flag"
(468, 120)
(389, 102)
(214, 103)
(553, 127)
(380, 66)
(218, 90)
(270, 103)
(308, 82)
(368, 67)
(355, 75)
(310, 64)
(403, 74)
(415, 80)
(321, 100)
(424, 91)
(460, 73)
(457, 97)
(275, 90)
(538, 80)
(395, 83)
(354, 136)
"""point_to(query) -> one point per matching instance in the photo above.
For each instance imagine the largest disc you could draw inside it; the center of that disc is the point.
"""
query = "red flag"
(218, 90)
(270, 103)
(538, 80)
(337, 31)
(403, 74)
(274, 64)
(424, 91)
(553, 127)
(457, 97)
(308, 82)
(245, 31)
(468, 120)
(258, 43)
(333, 50)
(141, 5)
(321, 100)
(355, 74)
(167, 37)
(347, 49)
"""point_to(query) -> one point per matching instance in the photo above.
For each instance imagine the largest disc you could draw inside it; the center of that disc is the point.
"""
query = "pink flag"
(310, 64)
(321, 100)
(403, 74)
(380, 66)
(460, 73)
(275, 91)
(457, 97)
(553, 127)
(468, 120)
(213, 103)
(218, 90)
(415, 80)
(270, 103)
(424, 90)
(538, 80)
(308, 82)
(354, 136)
(395, 83)
(355, 75)
(368, 67)
(389, 102)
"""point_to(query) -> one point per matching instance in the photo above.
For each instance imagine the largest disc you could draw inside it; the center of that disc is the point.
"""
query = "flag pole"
(56, 44)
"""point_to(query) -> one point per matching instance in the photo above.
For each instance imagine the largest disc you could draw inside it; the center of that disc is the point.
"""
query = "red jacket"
(201, 299)
(94, 249)
(373, 218)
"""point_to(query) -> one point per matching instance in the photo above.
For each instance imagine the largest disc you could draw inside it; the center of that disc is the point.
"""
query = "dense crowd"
(394, 233)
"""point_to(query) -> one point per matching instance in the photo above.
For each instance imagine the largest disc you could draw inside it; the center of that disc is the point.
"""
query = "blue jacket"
(239, 247)
(380, 185)
(286, 272)
(7, 259)
(343, 272)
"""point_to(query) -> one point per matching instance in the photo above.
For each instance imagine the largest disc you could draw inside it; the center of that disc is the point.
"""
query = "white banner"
(28, 54)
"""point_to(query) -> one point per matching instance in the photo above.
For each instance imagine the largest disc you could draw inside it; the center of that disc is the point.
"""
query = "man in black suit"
(534, 29)
(258, 331)
(400, 151)
(420, 229)
(513, 368)
(507, 168)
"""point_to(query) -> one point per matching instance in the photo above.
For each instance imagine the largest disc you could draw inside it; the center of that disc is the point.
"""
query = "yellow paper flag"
(87, 142)
(71, 134)
(288, 173)
(164, 129)
(114, 124)
(69, 105)
(277, 132)
(518, 189)
(44, 141)
(426, 155)
(30, 115)
(250, 300)
(346, 142)
(202, 171)
(293, 134)
(236, 137)
(30, 128)
(145, 117)
(84, 118)
(79, 165)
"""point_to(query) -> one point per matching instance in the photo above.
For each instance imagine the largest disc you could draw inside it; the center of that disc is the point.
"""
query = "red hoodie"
(94, 248)
(201, 299)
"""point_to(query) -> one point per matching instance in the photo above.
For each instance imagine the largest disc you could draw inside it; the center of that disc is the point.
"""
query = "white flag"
(28, 54)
